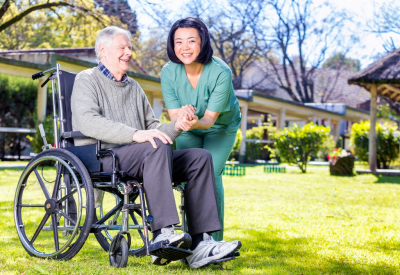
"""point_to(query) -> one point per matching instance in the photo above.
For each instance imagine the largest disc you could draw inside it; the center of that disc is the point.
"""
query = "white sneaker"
(182, 240)
(209, 250)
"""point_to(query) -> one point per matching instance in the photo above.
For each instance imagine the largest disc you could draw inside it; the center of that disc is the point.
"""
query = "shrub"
(236, 146)
(17, 109)
(36, 140)
(387, 142)
(296, 144)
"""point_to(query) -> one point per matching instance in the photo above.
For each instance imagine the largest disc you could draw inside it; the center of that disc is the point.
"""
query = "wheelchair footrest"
(227, 258)
(165, 251)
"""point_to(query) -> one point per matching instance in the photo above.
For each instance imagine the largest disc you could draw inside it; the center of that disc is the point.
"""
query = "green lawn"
(289, 223)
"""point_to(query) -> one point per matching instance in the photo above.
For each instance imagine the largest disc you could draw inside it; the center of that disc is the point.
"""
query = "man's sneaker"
(182, 240)
(209, 251)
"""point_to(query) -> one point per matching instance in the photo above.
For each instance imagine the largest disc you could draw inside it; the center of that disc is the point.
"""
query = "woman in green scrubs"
(198, 86)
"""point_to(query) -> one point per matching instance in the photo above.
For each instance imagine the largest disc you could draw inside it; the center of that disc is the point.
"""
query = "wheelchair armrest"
(73, 134)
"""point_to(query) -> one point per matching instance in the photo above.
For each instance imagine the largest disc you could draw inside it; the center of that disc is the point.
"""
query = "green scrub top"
(214, 92)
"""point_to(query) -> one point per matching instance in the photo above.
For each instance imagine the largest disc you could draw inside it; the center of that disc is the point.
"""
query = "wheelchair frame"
(76, 174)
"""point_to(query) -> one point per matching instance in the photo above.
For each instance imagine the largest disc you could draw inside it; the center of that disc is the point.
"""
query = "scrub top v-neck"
(214, 91)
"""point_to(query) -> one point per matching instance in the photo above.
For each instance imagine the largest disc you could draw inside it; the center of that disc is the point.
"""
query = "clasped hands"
(187, 119)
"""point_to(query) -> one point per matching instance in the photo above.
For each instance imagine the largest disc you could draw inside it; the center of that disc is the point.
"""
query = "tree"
(233, 29)
(121, 10)
(234, 32)
(59, 24)
(301, 42)
(152, 53)
(385, 22)
(12, 12)
(340, 61)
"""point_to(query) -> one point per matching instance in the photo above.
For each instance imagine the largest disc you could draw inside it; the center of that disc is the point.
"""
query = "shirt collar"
(108, 74)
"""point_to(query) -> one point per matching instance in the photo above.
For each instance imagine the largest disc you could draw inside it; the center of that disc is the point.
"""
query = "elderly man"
(109, 106)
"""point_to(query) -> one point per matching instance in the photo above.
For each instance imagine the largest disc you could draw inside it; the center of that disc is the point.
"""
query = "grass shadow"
(344, 176)
(274, 255)
(387, 179)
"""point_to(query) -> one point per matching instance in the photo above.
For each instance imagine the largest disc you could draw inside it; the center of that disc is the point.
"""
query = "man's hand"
(141, 136)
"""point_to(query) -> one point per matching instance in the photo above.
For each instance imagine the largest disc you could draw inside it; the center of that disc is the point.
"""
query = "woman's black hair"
(206, 51)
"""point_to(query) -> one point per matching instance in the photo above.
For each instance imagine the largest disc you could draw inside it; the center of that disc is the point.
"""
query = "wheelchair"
(55, 206)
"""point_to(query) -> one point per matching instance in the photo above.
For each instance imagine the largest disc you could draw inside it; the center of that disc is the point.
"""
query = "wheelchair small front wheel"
(118, 254)
(105, 236)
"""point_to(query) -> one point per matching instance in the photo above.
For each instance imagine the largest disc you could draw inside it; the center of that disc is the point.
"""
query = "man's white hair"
(106, 36)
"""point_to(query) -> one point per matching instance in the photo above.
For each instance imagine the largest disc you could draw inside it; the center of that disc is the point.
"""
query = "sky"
(362, 11)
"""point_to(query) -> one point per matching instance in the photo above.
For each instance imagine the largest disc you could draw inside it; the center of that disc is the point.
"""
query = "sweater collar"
(109, 75)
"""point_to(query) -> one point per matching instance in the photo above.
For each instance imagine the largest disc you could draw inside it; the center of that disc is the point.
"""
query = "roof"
(330, 86)
(385, 73)
(42, 56)
(385, 70)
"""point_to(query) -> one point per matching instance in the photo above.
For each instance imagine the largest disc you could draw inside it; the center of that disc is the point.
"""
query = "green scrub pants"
(219, 143)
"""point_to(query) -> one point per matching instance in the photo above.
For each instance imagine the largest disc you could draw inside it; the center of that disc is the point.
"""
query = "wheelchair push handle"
(37, 75)
(40, 74)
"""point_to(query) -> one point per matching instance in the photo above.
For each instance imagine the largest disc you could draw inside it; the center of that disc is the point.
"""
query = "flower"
(335, 154)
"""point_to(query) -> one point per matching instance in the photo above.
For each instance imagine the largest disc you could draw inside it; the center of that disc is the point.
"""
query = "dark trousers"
(158, 168)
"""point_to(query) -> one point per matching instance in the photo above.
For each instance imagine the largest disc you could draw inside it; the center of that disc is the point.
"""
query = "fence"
(274, 169)
(13, 142)
(234, 170)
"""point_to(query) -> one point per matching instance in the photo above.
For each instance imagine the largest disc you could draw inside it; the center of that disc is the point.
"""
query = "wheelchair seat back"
(87, 153)
(67, 84)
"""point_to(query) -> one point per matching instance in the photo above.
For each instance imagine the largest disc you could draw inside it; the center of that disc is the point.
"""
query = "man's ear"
(102, 49)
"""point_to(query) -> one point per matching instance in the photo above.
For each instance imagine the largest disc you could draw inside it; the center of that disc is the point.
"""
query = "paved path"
(11, 165)
(383, 172)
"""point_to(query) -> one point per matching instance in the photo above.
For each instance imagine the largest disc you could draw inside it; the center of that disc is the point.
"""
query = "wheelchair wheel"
(54, 205)
(118, 254)
(105, 236)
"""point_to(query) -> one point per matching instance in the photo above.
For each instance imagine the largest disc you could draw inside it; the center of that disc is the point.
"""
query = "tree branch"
(4, 8)
(24, 13)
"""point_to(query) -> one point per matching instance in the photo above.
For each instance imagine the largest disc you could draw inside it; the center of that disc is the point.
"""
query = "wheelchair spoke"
(67, 196)
(42, 223)
(132, 214)
(31, 205)
(57, 183)
(66, 216)
(45, 191)
(54, 224)
(116, 216)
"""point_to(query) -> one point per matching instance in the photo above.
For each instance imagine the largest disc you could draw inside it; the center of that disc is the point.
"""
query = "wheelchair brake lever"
(47, 80)
(43, 135)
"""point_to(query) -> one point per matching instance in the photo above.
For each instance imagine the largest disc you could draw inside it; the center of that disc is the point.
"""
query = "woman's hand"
(187, 112)
(187, 125)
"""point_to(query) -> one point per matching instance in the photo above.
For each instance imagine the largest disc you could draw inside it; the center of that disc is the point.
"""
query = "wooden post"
(282, 114)
(399, 155)
(243, 127)
(315, 120)
(41, 100)
(372, 130)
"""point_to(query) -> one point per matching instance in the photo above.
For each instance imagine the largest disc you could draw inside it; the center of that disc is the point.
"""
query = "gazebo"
(381, 78)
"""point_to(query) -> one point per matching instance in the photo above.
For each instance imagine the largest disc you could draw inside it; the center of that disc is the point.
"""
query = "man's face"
(116, 56)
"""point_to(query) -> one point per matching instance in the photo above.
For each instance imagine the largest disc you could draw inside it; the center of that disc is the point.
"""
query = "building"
(260, 94)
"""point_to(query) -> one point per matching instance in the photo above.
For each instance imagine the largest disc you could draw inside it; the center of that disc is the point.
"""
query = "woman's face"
(187, 45)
